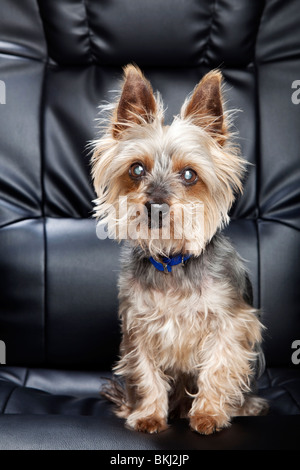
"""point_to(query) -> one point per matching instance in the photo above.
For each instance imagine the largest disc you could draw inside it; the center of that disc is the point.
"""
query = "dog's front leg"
(146, 389)
(228, 360)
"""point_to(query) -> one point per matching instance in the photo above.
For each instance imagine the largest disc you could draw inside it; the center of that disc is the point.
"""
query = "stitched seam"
(258, 264)
(26, 377)
(18, 221)
(23, 219)
(257, 143)
(208, 41)
(43, 199)
(22, 56)
(88, 30)
(286, 224)
(8, 398)
(257, 181)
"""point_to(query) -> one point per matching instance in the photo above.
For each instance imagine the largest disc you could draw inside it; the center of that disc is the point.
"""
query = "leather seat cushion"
(44, 391)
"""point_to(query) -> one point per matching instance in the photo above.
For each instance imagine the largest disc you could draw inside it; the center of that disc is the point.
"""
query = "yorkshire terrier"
(191, 339)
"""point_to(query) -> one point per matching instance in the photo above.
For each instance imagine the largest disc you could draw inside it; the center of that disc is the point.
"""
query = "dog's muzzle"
(156, 213)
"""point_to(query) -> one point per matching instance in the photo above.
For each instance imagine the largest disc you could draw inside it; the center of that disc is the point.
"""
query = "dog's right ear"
(137, 104)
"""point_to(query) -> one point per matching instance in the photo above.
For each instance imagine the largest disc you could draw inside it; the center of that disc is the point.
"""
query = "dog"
(191, 339)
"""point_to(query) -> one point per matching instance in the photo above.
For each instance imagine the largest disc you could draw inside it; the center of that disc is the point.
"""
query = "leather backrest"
(59, 60)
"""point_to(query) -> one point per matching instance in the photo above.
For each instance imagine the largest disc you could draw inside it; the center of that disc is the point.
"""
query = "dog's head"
(166, 188)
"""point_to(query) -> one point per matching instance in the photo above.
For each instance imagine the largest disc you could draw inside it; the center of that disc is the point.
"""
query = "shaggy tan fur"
(189, 345)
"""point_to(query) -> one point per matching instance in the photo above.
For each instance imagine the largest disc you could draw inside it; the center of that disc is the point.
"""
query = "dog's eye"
(136, 170)
(189, 176)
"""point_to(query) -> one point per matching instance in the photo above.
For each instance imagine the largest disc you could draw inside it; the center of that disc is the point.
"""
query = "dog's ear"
(205, 106)
(137, 104)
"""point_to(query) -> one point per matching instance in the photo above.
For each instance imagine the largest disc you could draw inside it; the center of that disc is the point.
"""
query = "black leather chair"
(58, 300)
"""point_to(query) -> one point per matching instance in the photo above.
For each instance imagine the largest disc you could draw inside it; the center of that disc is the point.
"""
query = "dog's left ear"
(205, 107)
(137, 104)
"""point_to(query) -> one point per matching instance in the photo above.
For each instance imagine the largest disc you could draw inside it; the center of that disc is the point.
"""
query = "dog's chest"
(172, 324)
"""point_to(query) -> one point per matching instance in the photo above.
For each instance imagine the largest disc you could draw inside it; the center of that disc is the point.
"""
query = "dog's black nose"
(157, 210)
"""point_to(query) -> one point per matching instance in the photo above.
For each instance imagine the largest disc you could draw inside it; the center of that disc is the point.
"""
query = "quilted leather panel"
(20, 143)
(22, 32)
(81, 296)
(178, 34)
(279, 20)
(279, 195)
(22, 309)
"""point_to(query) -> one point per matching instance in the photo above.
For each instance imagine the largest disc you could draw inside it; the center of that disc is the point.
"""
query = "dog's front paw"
(151, 424)
(206, 424)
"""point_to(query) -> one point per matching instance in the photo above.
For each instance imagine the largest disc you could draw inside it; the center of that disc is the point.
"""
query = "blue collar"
(167, 263)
